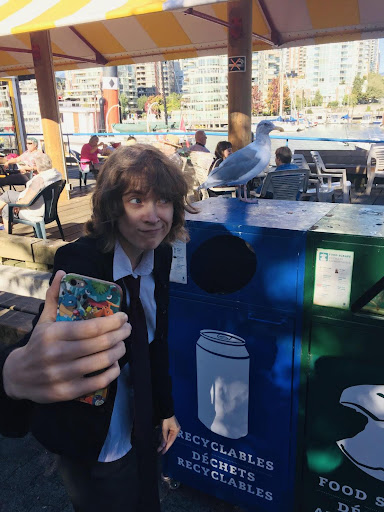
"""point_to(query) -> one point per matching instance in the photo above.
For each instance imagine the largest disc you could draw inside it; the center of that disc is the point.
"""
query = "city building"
(332, 68)
(205, 90)
(127, 84)
(154, 77)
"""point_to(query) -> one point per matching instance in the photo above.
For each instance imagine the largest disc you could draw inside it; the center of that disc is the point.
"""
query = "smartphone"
(83, 298)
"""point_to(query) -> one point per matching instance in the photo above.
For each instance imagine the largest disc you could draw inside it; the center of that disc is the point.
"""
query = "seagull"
(245, 164)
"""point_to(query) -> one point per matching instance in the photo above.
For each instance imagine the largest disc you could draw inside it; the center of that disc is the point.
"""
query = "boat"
(366, 119)
(289, 124)
(333, 118)
(141, 126)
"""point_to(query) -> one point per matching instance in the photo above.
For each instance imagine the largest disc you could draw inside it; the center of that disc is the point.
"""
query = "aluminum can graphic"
(222, 362)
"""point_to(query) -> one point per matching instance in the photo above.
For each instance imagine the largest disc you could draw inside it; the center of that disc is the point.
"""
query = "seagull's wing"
(234, 169)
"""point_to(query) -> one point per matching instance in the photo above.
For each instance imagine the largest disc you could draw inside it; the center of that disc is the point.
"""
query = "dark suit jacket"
(74, 428)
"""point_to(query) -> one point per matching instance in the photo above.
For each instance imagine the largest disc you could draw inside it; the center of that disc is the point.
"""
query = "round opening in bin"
(223, 264)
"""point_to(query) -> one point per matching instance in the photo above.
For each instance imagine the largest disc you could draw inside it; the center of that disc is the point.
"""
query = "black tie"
(141, 379)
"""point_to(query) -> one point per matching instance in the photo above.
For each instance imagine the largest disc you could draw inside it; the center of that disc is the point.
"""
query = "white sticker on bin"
(333, 277)
(179, 263)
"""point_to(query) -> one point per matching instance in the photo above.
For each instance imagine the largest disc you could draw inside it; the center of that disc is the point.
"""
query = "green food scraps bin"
(341, 431)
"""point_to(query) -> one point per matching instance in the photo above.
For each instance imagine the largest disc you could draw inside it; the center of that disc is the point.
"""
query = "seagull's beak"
(279, 128)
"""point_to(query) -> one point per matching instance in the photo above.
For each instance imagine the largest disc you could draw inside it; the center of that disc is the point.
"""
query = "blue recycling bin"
(235, 339)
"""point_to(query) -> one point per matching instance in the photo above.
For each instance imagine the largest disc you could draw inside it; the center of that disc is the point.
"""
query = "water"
(338, 131)
(335, 131)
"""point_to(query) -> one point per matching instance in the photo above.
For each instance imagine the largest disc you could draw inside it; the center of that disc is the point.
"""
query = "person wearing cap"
(26, 162)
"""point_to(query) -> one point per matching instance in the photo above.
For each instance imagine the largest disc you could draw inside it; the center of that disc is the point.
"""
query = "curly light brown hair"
(138, 167)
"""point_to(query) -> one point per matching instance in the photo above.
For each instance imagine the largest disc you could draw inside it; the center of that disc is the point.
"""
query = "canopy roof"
(86, 33)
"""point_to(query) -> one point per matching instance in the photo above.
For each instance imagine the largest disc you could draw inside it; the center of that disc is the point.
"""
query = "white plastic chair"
(376, 153)
(201, 162)
(316, 186)
(299, 160)
(327, 184)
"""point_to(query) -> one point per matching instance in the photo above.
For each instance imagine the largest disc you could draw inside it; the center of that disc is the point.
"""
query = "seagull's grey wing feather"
(233, 167)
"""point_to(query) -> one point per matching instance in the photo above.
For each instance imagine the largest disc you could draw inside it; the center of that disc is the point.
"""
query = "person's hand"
(51, 367)
(16, 211)
(170, 428)
(6, 164)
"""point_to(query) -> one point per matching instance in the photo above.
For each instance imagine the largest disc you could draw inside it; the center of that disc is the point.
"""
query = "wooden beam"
(218, 21)
(239, 72)
(49, 108)
(100, 59)
(275, 34)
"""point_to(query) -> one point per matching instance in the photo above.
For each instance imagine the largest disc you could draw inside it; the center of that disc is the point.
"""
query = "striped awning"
(86, 33)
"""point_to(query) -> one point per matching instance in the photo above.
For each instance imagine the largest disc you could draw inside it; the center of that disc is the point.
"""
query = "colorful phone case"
(83, 298)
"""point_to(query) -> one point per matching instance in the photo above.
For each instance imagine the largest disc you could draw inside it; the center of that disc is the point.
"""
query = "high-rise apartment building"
(265, 67)
(83, 87)
(127, 84)
(154, 77)
(205, 89)
(332, 68)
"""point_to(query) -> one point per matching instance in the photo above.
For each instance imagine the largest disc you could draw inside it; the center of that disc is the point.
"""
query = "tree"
(349, 100)
(156, 109)
(173, 102)
(318, 99)
(123, 98)
(141, 102)
(273, 97)
(257, 100)
(375, 88)
(333, 104)
(357, 87)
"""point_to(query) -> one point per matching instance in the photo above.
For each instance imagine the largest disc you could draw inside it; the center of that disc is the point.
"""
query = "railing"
(224, 135)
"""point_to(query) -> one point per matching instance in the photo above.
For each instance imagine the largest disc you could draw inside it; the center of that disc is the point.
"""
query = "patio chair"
(9, 172)
(285, 185)
(84, 166)
(376, 153)
(316, 186)
(51, 196)
(327, 183)
(201, 163)
(299, 160)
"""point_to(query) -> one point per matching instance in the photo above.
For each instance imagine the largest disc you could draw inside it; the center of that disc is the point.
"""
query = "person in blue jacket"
(283, 159)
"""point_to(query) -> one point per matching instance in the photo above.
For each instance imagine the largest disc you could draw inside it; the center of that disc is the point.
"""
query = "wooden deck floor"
(74, 213)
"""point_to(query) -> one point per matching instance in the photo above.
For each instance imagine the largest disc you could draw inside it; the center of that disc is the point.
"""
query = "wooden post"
(49, 108)
(239, 72)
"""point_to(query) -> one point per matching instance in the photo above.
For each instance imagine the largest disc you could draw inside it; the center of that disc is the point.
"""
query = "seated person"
(169, 146)
(26, 162)
(283, 157)
(45, 176)
(222, 151)
(90, 151)
(201, 140)
(131, 140)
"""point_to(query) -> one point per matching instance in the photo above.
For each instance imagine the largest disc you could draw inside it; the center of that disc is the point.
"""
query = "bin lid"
(353, 219)
(237, 215)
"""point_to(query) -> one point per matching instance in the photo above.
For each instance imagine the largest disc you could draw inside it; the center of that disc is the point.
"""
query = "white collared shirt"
(118, 440)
